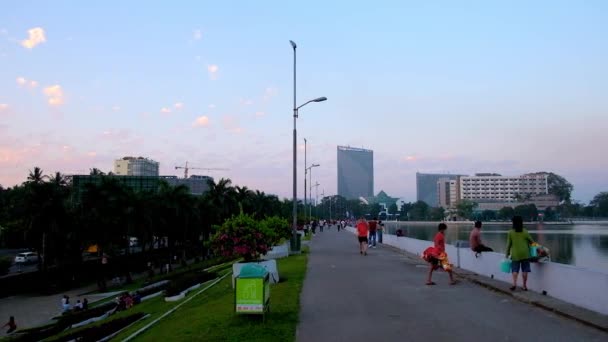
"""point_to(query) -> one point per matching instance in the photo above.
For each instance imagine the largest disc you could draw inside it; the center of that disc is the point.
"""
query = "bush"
(184, 281)
(243, 236)
(279, 226)
(5, 265)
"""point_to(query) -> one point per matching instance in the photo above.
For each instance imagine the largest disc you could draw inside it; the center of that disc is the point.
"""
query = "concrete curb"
(561, 308)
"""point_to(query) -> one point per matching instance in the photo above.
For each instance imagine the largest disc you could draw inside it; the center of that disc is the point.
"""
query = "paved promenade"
(383, 297)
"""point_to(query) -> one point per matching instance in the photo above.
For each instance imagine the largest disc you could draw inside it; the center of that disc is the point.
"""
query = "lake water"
(581, 245)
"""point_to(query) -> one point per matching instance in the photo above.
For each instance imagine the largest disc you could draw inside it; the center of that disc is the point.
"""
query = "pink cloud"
(178, 105)
(201, 121)
(23, 82)
(165, 110)
(231, 124)
(212, 69)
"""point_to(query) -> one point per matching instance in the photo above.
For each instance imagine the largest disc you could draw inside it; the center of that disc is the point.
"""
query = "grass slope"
(211, 317)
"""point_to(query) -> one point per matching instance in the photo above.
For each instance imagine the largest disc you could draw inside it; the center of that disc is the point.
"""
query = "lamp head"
(315, 165)
(293, 45)
(320, 99)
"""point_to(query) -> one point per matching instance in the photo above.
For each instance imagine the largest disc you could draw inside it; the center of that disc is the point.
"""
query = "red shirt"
(362, 228)
(373, 225)
(439, 241)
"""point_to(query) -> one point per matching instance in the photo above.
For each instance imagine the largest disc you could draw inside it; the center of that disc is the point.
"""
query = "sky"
(430, 86)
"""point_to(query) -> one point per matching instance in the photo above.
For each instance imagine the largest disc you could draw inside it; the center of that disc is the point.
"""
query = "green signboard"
(251, 294)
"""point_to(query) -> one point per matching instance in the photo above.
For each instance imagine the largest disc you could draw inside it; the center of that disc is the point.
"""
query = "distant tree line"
(42, 214)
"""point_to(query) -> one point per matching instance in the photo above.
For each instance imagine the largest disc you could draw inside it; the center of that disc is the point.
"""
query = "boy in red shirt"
(362, 231)
(439, 257)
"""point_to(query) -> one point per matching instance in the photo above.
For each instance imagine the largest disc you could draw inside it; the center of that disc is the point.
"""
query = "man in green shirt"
(518, 246)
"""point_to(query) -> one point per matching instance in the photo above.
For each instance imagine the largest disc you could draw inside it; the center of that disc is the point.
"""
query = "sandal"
(512, 288)
(524, 288)
(454, 282)
(431, 283)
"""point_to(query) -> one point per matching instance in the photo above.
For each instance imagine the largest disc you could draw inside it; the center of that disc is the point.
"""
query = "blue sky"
(464, 87)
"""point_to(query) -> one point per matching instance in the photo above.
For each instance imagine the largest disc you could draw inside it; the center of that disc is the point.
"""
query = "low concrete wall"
(277, 252)
(579, 286)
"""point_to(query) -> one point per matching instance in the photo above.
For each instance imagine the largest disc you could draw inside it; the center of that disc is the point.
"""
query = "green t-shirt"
(518, 245)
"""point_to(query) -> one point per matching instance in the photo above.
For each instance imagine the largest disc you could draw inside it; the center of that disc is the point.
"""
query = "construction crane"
(186, 168)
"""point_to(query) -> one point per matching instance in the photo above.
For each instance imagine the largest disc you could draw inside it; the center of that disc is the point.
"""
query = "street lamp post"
(295, 116)
(310, 193)
(305, 173)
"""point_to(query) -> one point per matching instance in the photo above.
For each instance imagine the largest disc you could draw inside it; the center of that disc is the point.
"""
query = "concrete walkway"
(383, 297)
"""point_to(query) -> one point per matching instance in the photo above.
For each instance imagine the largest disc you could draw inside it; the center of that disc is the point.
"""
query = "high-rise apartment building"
(492, 186)
(135, 166)
(355, 172)
(426, 187)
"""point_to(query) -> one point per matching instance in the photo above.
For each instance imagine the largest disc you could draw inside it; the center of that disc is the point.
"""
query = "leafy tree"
(392, 209)
(488, 215)
(405, 208)
(374, 210)
(437, 214)
(549, 214)
(600, 204)
(465, 208)
(527, 211)
(506, 213)
(559, 187)
(419, 211)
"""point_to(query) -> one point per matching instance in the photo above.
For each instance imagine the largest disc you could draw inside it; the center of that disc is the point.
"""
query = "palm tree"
(96, 172)
(58, 179)
(222, 198)
(177, 209)
(36, 176)
(244, 198)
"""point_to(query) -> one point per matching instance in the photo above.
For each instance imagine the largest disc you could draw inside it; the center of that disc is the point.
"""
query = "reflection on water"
(579, 245)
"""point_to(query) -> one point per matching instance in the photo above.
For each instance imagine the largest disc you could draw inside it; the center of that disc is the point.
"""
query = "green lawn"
(211, 317)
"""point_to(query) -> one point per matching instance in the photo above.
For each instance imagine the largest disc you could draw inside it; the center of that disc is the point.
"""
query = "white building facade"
(491, 186)
(135, 166)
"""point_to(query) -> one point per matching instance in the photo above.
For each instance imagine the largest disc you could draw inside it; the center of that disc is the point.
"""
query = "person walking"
(475, 240)
(518, 247)
(12, 326)
(362, 231)
(437, 256)
(373, 226)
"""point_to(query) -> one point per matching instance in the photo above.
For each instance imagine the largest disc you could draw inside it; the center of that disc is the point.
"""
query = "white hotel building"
(491, 186)
(135, 166)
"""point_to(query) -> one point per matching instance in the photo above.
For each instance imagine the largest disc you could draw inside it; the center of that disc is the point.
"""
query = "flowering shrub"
(243, 236)
(279, 226)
